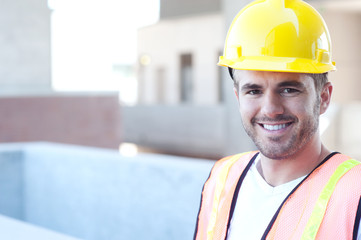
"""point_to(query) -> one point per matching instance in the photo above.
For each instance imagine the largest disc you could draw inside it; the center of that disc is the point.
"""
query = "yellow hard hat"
(280, 36)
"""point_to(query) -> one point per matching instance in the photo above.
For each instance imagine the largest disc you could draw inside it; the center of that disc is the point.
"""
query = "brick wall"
(84, 120)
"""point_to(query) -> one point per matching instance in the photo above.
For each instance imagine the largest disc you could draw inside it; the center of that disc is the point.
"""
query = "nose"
(272, 105)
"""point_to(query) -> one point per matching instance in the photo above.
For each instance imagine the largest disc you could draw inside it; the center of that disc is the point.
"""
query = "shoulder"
(346, 171)
(343, 163)
(238, 161)
(352, 171)
(224, 174)
(240, 157)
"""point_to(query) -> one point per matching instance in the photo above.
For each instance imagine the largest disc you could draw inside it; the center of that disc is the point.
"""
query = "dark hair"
(231, 73)
(320, 79)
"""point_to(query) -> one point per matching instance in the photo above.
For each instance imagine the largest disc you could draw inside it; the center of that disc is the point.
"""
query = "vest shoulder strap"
(217, 195)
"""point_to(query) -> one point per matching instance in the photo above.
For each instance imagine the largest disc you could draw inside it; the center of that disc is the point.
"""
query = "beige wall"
(344, 21)
(164, 42)
(343, 134)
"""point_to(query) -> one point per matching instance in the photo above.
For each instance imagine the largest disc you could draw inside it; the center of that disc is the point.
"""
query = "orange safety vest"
(325, 205)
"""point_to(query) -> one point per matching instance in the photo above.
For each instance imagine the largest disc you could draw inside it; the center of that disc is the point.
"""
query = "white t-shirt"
(256, 204)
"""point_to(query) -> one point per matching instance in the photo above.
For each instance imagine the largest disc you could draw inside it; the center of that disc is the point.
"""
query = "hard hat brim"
(277, 64)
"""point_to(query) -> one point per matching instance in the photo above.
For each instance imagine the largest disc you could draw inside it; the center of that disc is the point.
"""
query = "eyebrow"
(249, 86)
(296, 84)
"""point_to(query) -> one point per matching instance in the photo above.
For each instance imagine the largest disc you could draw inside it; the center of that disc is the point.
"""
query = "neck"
(277, 172)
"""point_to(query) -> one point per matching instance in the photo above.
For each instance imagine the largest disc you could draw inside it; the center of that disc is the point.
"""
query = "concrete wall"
(188, 130)
(25, 64)
(98, 194)
(12, 182)
(92, 120)
(12, 229)
(175, 8)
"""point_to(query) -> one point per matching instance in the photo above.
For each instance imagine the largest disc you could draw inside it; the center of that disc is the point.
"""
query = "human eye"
(289, 91)
(253, 92)
(250, 89)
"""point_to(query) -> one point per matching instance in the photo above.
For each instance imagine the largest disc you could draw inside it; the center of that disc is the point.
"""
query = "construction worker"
(278, 53)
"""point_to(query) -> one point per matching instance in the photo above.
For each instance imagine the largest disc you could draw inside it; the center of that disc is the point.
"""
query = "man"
(278, 54)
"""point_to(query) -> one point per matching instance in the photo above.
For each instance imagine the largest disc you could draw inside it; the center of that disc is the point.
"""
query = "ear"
(325, 97)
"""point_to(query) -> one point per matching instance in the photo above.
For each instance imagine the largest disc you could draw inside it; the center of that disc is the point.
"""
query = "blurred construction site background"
(105, 73)
(135, 77)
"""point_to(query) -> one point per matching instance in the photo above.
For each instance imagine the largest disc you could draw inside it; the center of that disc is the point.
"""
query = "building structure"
(185, 105)
(30, 110)
(179, 108)
(25, 62)
(176, 61)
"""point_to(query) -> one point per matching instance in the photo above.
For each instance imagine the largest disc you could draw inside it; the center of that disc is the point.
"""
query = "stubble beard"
(273, 148)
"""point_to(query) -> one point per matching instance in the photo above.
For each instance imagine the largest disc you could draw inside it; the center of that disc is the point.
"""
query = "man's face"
(280, 111)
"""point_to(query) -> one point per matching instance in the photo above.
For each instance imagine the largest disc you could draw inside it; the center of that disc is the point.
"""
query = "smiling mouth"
(275, 127)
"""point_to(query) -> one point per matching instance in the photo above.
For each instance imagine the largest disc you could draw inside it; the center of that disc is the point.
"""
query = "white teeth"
(274, 127)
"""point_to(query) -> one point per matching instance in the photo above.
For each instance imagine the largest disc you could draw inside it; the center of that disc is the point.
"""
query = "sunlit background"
(94, 44)
(113, 112)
